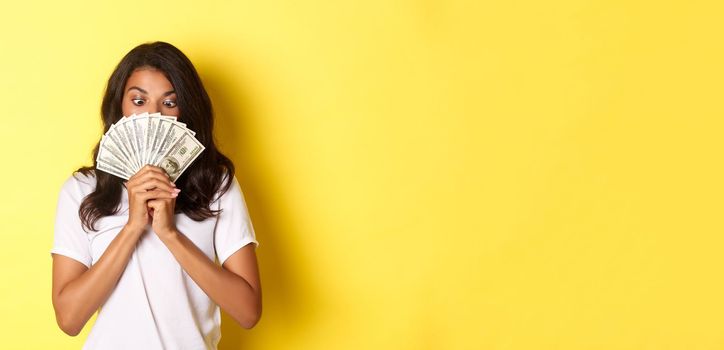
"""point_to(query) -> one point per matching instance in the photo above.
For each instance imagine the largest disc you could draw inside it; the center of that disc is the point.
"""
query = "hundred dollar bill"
(146, 138)
(107, 162)
(159, 139)
(140, 126)
(121, 137)
(110, 170)
(173, 134)
(140, 139)
(109, 149)
(181, 155)
(121, 143)
(153, 123)
(132, 134)
(175, 121)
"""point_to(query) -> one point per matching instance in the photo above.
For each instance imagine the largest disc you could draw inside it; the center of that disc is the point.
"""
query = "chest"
(201, 233)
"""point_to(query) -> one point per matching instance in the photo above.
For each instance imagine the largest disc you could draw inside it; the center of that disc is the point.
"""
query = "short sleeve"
(70, 239)
(234, 229)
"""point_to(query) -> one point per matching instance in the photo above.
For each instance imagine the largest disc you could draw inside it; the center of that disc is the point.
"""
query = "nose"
(151, 108)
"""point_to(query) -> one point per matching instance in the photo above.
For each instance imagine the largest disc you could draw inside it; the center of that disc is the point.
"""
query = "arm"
(235, 287)
(79, 291)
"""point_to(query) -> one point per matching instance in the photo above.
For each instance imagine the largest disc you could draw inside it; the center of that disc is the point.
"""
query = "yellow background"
(432, 174)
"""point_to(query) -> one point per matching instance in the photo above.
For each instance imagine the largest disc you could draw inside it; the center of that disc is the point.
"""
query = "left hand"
(162, 216)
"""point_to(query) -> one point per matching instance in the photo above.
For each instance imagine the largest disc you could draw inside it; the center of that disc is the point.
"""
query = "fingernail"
(177, 190)
(173, 184)
(175, 194)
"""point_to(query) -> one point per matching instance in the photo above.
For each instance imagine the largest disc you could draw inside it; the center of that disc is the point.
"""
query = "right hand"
(151, 182)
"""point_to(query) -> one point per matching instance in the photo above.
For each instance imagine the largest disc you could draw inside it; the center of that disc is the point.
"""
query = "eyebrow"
(146, 92)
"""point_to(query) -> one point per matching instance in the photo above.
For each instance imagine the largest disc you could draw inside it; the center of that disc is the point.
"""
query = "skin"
(78, 291)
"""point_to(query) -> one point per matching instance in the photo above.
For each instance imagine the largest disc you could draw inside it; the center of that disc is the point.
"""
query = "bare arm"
(235, 286)
(79, 291)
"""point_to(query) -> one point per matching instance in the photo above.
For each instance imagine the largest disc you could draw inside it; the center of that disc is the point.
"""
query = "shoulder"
(232, 192)
(78, 184)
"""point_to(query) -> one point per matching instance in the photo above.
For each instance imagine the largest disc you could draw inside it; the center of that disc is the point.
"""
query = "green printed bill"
(140, 139)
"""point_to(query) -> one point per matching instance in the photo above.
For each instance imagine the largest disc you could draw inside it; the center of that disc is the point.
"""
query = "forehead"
(149, 79)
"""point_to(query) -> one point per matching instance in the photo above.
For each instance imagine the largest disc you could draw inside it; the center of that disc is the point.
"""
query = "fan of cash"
(155, 139)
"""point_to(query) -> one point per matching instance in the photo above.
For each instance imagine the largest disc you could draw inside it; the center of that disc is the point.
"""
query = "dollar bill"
(107, 162)
(140, 139)
(173, 134)
(181, 155)
(153, 122)
(111, 155)
(115, 135)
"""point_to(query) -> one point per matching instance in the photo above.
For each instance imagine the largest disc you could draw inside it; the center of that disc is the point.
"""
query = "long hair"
(209, 173)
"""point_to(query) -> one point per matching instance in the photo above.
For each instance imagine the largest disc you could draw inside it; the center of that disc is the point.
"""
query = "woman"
(143, 251)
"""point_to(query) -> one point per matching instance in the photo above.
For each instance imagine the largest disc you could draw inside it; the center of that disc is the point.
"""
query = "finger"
(158, 194)
(153, 183)
(148, 177)
(148, 169)
(159, 204)
(145, 174)
(154, 203)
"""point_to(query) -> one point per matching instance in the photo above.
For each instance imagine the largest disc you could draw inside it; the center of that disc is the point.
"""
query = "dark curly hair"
(209, 173)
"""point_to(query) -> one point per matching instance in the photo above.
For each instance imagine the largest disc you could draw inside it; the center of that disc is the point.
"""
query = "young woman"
(144, 251)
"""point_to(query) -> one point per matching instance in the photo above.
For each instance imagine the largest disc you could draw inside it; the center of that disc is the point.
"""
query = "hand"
(162, 213)
(149, 183)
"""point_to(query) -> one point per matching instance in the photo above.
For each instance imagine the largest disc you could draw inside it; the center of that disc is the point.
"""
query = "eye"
(169, 103)
(138, 101)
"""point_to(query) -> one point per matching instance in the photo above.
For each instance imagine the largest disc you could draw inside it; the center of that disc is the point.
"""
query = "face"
(148, 90)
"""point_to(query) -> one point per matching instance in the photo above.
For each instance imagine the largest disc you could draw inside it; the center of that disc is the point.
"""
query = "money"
(180, 156)
(141, 139)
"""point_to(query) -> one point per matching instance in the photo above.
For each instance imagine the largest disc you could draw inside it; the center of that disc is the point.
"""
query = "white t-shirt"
(155, 305)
